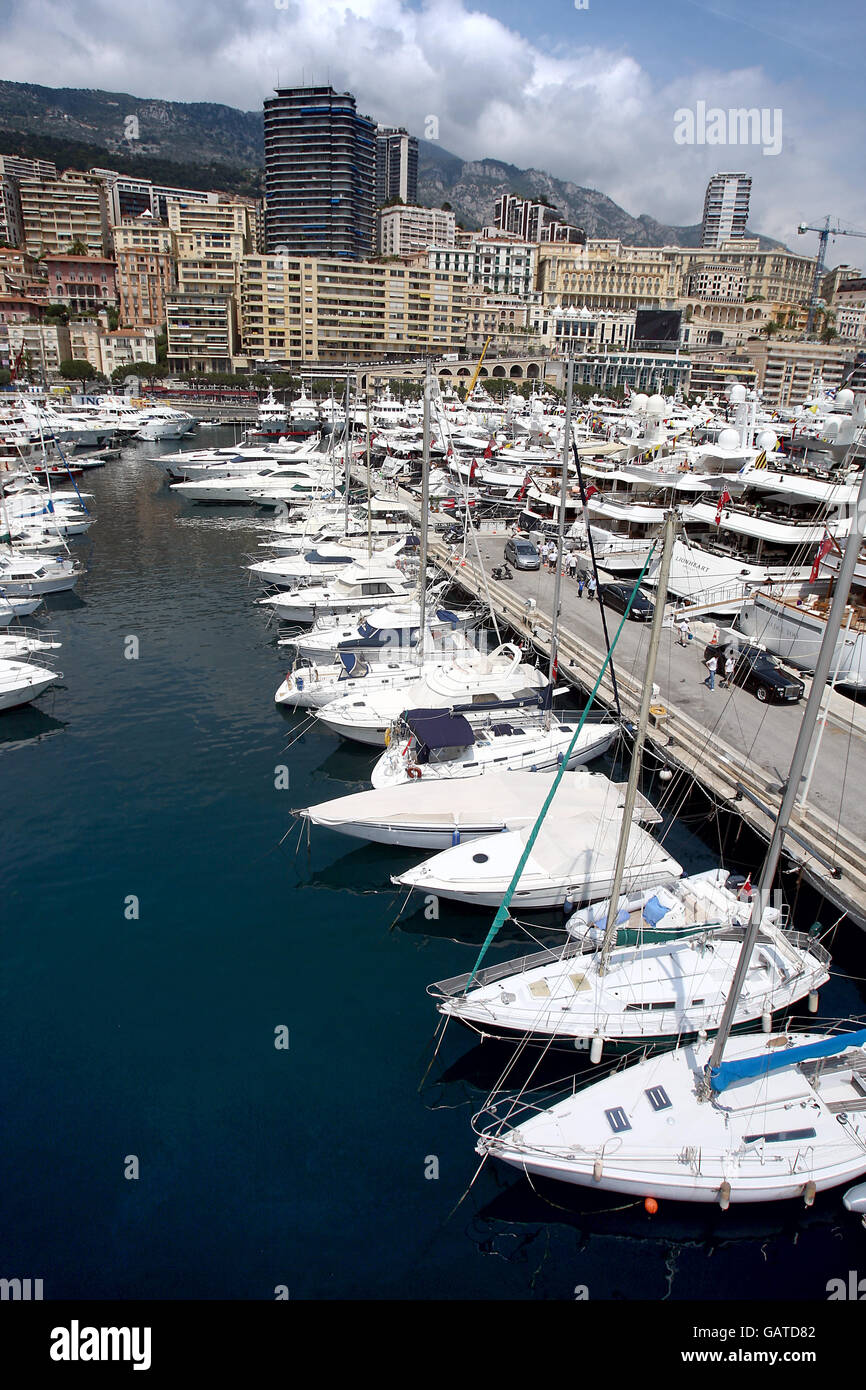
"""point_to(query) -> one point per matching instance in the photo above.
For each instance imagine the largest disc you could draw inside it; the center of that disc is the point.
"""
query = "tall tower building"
(726, 208)
(320, 169)
(396, 166)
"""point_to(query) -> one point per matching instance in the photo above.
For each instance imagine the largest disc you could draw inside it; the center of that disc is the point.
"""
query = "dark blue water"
(154, 1037)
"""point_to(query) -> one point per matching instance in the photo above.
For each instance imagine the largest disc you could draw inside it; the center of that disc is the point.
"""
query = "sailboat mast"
(369, 507)
(640, 736)
(347, 481)
(425, 510)
(560, 544)
(798, 763)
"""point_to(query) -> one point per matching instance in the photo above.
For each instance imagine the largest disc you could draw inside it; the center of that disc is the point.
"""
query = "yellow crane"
(471, 387)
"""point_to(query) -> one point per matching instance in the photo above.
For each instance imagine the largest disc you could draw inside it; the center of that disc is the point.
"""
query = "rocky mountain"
(224, 148)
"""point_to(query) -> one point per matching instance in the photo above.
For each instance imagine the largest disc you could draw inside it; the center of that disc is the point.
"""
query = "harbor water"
(220, 1069)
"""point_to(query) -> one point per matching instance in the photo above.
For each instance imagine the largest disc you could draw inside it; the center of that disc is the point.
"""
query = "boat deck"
(737, 748)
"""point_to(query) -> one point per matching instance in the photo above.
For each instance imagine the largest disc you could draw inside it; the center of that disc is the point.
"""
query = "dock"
(735, 747)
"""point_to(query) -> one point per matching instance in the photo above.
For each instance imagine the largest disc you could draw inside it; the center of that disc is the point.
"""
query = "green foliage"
(77, 369)
(146, 370)
(76, 154)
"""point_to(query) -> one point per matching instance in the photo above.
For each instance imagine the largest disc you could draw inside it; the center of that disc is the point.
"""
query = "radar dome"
(767, 440)
(729, 439)
(844, 399)
(640, 401)
(737, 394)
(656, 405)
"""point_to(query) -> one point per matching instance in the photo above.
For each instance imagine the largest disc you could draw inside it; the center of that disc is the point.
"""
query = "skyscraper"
(726, 208)
(320, 159)
(396, 165)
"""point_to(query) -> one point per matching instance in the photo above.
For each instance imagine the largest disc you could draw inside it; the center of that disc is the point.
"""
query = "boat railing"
(489, 974)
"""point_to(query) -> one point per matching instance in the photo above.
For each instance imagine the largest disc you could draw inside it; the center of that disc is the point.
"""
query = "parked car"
(522, 553)
(616, 596)
(760, 672)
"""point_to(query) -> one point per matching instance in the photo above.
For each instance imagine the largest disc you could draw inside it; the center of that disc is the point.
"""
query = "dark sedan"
(616, 596)
(761, 673)
(522, 553)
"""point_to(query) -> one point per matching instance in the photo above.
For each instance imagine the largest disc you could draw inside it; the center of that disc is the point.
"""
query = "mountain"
(204, 144)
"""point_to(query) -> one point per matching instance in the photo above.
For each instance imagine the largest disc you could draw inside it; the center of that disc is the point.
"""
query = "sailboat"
(757, 1117)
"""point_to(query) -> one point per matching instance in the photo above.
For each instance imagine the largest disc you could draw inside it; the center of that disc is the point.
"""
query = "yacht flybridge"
(357, 587)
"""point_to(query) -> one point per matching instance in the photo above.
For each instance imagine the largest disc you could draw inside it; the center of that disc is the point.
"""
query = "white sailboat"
(437, 814)
(745, 1119)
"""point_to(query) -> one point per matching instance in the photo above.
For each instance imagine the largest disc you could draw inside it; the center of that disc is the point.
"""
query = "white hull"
(20, 683)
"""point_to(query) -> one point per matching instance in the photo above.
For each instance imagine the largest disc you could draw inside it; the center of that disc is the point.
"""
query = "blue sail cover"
(728, 1073)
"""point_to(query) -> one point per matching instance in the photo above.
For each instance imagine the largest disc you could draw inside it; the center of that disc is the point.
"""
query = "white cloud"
(592, 115)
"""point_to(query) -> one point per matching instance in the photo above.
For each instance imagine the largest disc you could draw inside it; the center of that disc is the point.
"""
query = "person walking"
(572, 564)
(712, 665)
(684, 632)
(730, 663)
(580, 587)
(590, 588)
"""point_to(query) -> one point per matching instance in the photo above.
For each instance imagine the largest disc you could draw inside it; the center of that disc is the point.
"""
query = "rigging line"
(576, 454)
(502, 911)
(440, 1029)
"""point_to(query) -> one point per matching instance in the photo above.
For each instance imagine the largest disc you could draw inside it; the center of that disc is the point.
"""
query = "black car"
(616, 596)
(761, 673)
(522, 553)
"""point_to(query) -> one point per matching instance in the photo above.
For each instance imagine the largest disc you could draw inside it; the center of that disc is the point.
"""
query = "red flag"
(488, 452)
(555, 672)
(526, 481)
(473, 469)
(725, 497)
(590, 492)
(13, 376)
(747, 886)
(823, 549)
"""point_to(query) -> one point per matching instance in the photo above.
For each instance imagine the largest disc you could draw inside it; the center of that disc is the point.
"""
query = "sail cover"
(728, 1073)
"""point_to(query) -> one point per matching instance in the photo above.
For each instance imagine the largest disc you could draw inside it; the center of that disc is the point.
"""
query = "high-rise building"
(726, 208)
(404, 230)
(58, 213)
(533, 221)
(396, 165)
(320, 164)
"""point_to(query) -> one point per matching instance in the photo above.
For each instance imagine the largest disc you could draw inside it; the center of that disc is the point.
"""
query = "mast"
(798, 763)
(640, 735)
(369, 509)
(560, 544)
(346, 457)
(425, 509)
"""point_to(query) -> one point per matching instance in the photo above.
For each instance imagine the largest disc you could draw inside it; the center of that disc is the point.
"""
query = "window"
(618, 1120)
(658, 1098)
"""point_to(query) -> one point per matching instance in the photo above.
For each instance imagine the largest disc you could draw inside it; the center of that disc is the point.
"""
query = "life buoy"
(413, 772)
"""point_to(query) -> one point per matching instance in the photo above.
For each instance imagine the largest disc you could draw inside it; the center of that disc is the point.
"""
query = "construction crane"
(824, 234)
(471, 387)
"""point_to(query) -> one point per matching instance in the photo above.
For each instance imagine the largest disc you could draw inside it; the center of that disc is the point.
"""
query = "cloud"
(593, 115)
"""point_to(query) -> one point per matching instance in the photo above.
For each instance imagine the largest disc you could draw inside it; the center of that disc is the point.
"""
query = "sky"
(595, 95)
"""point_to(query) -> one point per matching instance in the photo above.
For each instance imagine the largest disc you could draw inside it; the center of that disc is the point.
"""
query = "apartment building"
(320, 174)
(202, 332)
(396, 165)
(41, 346)
(130, 197)
(81, 283)
(124, 346)
(11, 221)
(145, 253)
(788, 372)
(604, 274)
(726, 208)
(404, 231)
(498, 263)
(58, 213)
(331, 310)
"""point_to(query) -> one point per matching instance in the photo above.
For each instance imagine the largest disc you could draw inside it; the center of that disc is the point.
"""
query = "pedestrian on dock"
(572, 564)
(684, 632)
(590, 588)
(580, 583)
(711, 664)
(728, 678)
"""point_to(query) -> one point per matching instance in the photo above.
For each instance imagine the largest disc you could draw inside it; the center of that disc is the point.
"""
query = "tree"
(446, 207)
(113, 318)
(79, 369)
(78, 248)
(146, 370)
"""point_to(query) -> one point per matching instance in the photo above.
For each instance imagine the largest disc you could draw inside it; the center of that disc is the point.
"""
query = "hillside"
(206, 145)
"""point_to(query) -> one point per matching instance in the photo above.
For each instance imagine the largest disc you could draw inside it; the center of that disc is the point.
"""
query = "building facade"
(304, 309)
(81, 283)
(145, 254)
(406, 230)
(396, 165)
(726, 208)
(499, 264)
(320, 173)
(59, 213)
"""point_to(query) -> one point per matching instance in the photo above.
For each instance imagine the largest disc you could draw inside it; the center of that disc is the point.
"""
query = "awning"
(438, 728)
(727, 1073)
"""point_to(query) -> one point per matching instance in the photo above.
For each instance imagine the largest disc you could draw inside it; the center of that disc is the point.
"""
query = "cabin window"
(658, 1098)
(618, 1120)
(781, 1136)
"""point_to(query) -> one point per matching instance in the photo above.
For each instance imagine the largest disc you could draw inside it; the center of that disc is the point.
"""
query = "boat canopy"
(728, 1073)
(353, 665)
(439, 728)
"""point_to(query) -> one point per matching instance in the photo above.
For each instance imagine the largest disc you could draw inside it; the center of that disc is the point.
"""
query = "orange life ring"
(413, 772)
